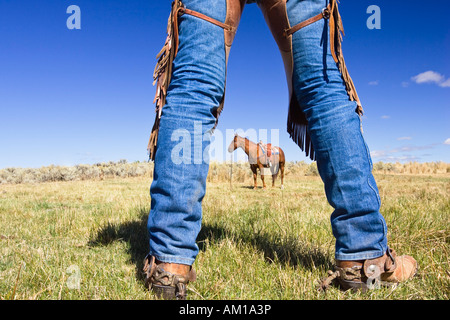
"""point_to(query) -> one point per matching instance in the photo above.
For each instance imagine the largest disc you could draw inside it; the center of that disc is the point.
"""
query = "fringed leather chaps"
(163, 70)
(276, 17)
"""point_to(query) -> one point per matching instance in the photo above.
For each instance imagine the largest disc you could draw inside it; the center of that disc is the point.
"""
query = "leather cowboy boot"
(167, 280)
(387, 270)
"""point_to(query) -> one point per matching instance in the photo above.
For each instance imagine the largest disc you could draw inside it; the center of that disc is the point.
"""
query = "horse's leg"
(274, 170)
(282, 174)
(261, 171)
(255, 176)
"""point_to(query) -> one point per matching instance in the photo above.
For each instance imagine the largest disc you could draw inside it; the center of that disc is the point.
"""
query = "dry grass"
(86, 238)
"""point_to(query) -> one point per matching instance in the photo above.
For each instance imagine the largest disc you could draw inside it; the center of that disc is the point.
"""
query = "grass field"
(86, 239)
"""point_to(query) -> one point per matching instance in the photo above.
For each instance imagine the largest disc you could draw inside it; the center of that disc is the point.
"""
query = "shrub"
(240, 171)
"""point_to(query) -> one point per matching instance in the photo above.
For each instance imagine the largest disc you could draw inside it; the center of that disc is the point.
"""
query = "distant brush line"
(218, 171)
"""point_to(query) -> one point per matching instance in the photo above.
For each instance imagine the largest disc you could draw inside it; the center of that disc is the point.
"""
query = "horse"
(261, 156)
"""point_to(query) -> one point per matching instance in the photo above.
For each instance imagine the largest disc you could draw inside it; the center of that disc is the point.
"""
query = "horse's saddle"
(266, 154)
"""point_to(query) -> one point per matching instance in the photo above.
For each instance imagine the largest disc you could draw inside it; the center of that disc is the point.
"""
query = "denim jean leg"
(181, 162)
(343, 158)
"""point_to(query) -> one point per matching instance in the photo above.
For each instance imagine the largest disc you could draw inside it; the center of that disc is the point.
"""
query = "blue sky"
(85, 96)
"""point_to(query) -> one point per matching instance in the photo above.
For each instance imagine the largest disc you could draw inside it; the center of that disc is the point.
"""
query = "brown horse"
(260, 158)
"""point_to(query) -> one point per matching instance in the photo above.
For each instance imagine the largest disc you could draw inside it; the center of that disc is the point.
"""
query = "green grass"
(254, 244)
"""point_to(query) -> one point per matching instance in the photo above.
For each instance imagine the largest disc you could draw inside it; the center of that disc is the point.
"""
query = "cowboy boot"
(167, 280)
(387, 270)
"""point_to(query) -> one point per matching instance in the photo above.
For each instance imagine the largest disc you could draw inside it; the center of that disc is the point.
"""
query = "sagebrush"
(238, 171)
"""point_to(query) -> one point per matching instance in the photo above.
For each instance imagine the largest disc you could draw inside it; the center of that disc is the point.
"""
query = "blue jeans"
(187, 120)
